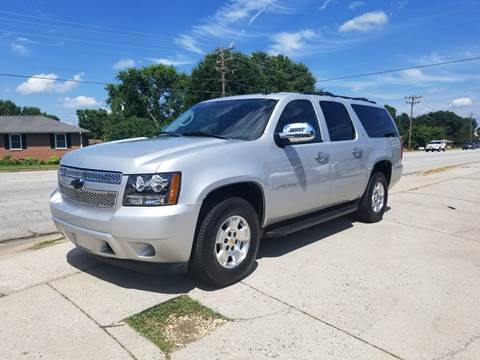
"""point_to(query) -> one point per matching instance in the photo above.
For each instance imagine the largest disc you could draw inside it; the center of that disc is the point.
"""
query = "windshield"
(435, 142)
(236, 119)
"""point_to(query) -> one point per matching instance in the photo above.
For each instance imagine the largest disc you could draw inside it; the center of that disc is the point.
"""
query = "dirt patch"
(439, 170)
(176, 323)
(185, 329)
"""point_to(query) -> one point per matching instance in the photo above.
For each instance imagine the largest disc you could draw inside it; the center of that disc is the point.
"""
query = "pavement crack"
(263, 316)
(324, 322)
(92, 319)
(464, 347)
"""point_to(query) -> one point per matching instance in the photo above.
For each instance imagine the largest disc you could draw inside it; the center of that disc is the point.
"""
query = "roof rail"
(327, 93)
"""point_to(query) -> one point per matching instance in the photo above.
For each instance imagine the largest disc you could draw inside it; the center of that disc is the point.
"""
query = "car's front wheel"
(374, 201)
(227, 243)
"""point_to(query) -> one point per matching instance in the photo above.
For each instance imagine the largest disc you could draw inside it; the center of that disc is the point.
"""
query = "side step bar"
(290, 226)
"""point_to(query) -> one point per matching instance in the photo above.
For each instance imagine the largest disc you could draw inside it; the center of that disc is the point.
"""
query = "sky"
(93, 40)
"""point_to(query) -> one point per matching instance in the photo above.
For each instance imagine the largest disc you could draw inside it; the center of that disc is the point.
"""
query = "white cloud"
(173, 62)
(189, 43)
(18, 49)
(325, 4)
(365, 22)
(124, 63)
(80, 102)
(228, 23)
(47, 83)
(356, 4)
(462, 101)
(291, 43)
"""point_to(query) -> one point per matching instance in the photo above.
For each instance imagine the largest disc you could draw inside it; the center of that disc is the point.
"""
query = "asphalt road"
(24, 196)
(407, 287)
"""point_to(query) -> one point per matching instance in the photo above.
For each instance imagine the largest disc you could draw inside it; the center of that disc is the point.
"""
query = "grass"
(23, 167)
(152, 323)
(45, 243)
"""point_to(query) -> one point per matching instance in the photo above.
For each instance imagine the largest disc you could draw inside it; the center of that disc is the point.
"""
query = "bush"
(54, 160)
(7, 160)
(30, 160)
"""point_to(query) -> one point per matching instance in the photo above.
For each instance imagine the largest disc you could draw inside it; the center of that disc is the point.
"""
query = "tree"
(392, 111)
(9, 108)
(131, 127)
(93, 120)
(256, 73)
(156, 92)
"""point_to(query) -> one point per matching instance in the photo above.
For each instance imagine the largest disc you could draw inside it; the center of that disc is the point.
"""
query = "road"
(404, 288)
(24, 196)
(422, 161)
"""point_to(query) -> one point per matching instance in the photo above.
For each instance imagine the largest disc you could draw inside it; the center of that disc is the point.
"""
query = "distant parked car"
(436, 145)
(467, 145)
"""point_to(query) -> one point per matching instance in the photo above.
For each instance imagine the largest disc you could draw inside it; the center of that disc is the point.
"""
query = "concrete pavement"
(407, 287)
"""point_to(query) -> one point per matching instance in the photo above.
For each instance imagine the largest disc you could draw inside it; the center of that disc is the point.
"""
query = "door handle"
(357, 153)
(322, 157)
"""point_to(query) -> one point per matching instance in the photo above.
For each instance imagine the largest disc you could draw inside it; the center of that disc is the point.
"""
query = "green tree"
(9, 108)
(118, 128)
(93, 120)
(156, 92)
(256, 73)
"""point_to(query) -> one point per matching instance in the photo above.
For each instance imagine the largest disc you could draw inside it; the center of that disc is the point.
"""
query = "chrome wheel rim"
(232, 242)
(378, 197)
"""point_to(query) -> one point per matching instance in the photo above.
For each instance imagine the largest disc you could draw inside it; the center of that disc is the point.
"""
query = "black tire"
(203, 263)
(365, 211)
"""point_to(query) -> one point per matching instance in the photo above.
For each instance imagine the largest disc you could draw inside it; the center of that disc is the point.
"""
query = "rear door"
(346, 150)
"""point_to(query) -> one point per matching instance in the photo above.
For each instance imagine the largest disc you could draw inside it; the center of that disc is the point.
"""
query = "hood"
(140, 155)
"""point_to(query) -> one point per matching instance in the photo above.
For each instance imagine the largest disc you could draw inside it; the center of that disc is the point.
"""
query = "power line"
(412, 100)
(93, 82)
(400, 69)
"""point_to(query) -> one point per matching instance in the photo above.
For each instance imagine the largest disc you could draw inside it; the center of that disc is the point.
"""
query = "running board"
(290, 226)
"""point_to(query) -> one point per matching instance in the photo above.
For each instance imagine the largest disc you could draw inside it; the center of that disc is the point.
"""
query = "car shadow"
(183, 283)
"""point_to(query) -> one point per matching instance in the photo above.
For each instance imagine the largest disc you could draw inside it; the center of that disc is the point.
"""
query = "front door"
(299, 173)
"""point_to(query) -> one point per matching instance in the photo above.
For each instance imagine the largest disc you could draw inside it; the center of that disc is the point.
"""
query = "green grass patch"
(174, 323)
(45, 243)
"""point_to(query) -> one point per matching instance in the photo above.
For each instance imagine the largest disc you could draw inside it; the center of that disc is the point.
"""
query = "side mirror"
(295, 133)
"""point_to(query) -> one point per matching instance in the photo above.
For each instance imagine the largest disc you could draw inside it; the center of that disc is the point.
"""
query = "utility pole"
(471, 126)
(222, 64)
(412, 100)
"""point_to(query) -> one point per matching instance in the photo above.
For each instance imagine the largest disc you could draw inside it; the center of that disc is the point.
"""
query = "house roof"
(35, 124)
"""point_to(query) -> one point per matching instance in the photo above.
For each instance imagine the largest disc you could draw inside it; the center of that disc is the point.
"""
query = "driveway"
(405, 288)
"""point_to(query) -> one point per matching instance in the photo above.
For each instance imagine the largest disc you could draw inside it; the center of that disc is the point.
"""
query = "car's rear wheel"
(374, 200)
(227, 243)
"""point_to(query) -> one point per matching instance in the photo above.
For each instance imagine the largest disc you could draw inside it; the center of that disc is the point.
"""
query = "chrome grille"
(107, 177)
(95, 198)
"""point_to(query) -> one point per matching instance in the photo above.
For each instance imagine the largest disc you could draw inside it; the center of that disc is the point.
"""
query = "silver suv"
(224, 174)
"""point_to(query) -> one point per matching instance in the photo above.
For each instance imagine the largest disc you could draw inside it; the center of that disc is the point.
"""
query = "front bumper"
(162, 234)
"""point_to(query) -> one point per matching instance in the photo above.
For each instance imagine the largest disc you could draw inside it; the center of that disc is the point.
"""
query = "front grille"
(95, 198)
(107, 177)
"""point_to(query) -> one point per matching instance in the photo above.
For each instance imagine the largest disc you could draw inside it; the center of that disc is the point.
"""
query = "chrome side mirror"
(296, 133)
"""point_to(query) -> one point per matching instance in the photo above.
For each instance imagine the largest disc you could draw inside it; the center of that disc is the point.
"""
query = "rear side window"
(376, 121)
(299, 111)
(338, 121)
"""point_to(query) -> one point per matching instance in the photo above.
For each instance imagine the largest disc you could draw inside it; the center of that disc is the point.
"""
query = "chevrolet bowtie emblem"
(78, 183)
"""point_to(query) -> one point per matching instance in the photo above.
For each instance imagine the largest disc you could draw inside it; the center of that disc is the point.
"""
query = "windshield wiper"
(205, 133)
(169, 133)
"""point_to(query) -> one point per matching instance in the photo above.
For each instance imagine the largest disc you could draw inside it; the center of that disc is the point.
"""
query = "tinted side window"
(338, 121)
(299, 111)
(376, 121)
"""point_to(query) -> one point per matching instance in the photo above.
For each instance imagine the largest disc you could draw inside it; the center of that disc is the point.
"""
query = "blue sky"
(91, 40)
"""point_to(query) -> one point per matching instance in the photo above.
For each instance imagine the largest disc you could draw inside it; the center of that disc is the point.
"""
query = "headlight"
(152, 190)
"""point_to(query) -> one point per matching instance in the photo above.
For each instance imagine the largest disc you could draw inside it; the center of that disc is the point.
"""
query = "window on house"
(60, 141)
(15, 142)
